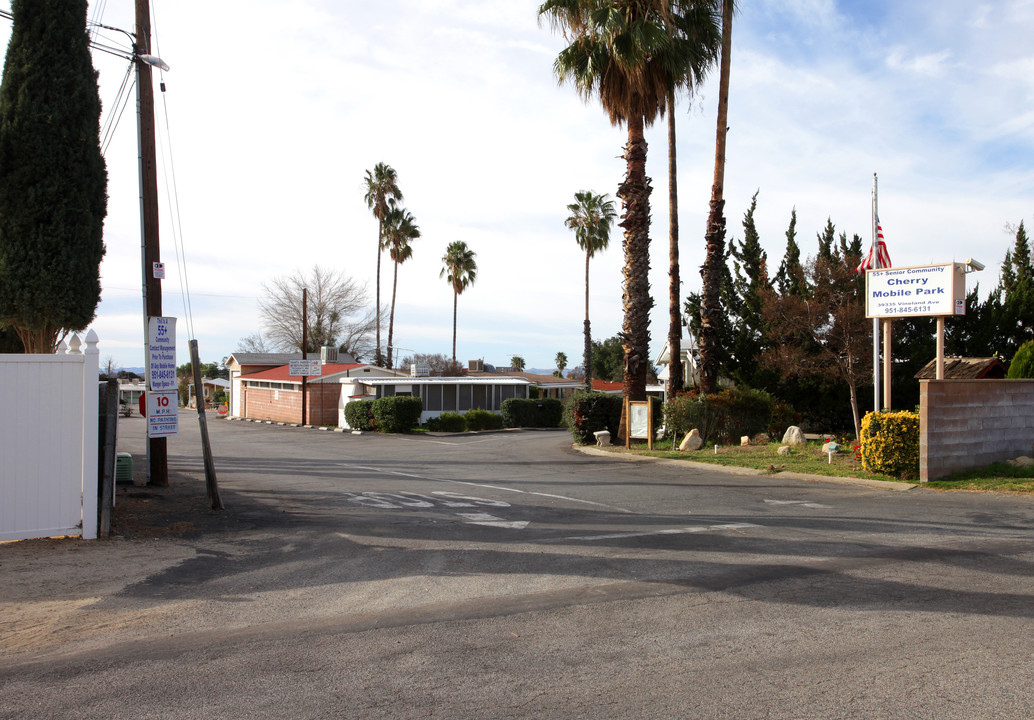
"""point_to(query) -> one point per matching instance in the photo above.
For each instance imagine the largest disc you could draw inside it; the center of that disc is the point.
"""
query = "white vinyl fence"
(48, 442)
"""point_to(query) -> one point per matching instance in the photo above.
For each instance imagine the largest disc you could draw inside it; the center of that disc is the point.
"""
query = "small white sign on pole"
(305, 368)
(927, 290)
(162, 414)
(161, 354)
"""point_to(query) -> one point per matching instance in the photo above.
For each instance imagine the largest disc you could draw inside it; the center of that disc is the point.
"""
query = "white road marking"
(802, 503)
(465, 442)
(487, 486)
(493, 521)
(670, 531)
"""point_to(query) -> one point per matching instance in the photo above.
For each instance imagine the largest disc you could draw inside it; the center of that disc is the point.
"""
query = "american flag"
(878, 256)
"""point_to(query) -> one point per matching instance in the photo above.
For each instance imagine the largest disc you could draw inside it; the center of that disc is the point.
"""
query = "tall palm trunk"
(455, 302)
(587, 361)
(675, 372)
(711, 308)
(378, 358)
(391, 318)
(635, 197)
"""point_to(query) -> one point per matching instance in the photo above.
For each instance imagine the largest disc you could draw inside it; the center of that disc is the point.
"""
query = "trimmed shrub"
(397, 413)
(447, 422)
(482, 420)
(586, 413)
(725, 416)
(518, 412)
(359, 415)
(890, 443)
(1022, 365)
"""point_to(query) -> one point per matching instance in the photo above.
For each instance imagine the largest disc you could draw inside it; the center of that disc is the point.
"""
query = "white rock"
(793, 436)
(784, 450)
(692, 441)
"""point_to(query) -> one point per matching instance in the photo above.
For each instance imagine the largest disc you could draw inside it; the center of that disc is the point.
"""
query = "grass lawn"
(999, 477)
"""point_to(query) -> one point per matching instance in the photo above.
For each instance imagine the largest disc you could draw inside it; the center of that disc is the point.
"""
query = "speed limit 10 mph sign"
(162, 414)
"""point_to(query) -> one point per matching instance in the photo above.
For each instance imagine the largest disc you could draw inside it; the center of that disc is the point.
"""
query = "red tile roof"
(280, 374)
(607, 386)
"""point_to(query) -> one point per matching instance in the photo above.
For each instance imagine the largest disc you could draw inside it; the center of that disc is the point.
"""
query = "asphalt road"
(508, 576)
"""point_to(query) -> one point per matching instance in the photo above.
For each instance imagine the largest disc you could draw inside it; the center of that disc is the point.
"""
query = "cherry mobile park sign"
(927, 290)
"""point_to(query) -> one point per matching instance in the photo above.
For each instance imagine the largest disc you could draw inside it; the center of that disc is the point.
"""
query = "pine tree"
(53, 181)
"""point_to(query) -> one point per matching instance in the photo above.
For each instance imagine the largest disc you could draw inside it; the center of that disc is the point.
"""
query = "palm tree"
(702, 23)
(517, 363)
(460, 271)
(561, 363)
(400, 229)
(591, 218)
(381, 188)
(711, 307)
(627, 53)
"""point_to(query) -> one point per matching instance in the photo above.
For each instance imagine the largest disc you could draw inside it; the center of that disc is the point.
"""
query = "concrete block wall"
(965, 424)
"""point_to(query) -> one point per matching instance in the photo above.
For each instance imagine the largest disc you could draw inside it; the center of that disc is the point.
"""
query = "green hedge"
(890, 443)
(359, 415)
(1022, 365)
(482, 420)
(519, 412)
(447, 422)
(586, 413)
(725, 416)
(397, 413)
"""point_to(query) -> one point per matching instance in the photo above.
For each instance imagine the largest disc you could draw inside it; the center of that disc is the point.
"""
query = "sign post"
(925, 291)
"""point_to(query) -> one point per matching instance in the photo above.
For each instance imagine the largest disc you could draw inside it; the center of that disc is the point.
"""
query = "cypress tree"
(790, 277)
(750, 265)
(53, 181)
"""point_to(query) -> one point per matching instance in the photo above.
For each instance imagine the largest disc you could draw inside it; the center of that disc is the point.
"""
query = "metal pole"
(940, 347)
(887, 366)
(305, 344)
(158, 465)
(875, 321)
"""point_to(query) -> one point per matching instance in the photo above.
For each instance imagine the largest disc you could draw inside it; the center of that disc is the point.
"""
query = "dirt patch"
(181, 509)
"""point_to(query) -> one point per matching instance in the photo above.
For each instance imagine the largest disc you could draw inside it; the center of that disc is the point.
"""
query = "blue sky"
(276, 110)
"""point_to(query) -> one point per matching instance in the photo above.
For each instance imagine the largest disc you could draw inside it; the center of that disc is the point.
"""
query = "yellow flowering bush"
(890, 443)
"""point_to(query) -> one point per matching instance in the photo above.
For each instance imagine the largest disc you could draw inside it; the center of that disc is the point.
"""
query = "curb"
(808, 477)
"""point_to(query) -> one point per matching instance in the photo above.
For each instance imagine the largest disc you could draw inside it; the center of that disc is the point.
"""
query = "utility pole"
(157, 451)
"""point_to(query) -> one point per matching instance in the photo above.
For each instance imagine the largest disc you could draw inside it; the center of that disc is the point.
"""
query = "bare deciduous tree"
(826, 335)
(337, 309)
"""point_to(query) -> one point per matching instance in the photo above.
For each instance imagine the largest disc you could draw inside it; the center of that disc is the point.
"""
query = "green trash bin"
(123, 469)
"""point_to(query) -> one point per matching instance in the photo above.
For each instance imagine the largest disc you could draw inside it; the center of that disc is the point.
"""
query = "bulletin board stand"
(640, 422)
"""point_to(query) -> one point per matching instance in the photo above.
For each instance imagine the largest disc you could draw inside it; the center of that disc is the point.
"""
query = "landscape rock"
(744, 440)
(761, 439)
(602, 437)
(1022, 461)
(793, 436)
(692, 441)
(784, 450)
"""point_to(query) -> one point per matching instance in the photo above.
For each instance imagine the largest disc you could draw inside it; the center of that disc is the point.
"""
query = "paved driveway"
(506, 575)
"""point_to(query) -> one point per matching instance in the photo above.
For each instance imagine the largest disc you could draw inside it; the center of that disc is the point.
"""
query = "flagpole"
(875, 320)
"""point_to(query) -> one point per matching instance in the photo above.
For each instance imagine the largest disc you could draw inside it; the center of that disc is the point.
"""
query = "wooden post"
(886, 363)
(206, 448)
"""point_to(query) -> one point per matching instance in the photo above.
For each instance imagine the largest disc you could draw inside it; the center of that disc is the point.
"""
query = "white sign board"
(927, 290)
(159, 270)
(162, 414)
(305, 368)
(161, 354)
